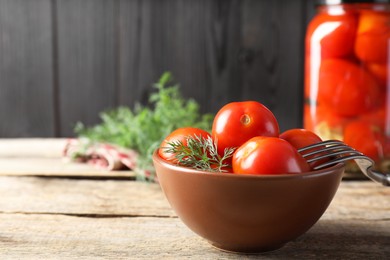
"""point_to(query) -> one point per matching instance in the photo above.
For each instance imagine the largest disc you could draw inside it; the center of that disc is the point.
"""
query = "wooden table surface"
(51, 209)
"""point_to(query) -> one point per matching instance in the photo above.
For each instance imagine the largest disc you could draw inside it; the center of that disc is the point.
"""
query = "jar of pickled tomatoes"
(347, 87)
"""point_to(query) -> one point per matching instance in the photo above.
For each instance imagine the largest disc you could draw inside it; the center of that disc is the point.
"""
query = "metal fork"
(335, 151)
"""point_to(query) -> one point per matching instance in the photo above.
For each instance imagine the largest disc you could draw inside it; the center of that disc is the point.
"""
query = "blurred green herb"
(144, 127)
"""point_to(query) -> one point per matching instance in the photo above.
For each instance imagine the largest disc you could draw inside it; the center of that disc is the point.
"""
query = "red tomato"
(370, 20)
(268, 155)
(180, 134)
(333, 34)
(373, 37)
(300, 137)
(332, 118)
(346, 88)
(237, 122)
(366, 138)
(379, 71)
(376, 117)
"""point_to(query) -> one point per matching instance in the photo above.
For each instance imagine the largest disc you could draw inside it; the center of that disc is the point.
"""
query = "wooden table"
(50, 209)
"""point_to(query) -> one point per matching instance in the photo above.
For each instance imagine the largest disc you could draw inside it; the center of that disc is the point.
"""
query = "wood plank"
(87, 60)
(100, 46)
(271, 57)
(26, 69)
(81, 197)
(51, 218)
(217, 50)
(136, 60)
(311, 10)
(354, 200)
(221, 44)
(57, 167)
(44, 157)
(197, 41)
(58, 236)
(96, 54)
(32, 147)
(360, 200)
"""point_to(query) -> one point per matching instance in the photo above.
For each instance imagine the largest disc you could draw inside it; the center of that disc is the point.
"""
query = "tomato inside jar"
(347, 66)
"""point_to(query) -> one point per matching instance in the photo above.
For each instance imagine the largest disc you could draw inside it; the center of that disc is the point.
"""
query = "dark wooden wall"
(63, 61)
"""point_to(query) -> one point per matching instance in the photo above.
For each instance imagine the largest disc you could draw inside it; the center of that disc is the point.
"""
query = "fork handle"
(378, 176)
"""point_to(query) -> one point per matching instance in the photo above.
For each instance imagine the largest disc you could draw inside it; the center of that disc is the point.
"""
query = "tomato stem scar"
(245, 119)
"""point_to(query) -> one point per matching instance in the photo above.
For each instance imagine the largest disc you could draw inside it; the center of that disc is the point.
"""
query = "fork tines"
(328, 153)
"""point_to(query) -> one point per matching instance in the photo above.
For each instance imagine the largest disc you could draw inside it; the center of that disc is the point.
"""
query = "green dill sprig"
(200, 153)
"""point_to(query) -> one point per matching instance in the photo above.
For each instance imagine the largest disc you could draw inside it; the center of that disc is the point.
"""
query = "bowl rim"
(316, 173)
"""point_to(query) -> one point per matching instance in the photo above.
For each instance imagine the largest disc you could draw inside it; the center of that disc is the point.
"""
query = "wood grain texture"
(64, 217)
(21, 148)
(134, 46)
(121, 220)
(197, 40)
(272, 40)
(44, 157)
(86, 60)
(82, 197)
(66, 61)
(66, 237)
(220, 51)
(354, 200)
(26, 67)
(58, 167)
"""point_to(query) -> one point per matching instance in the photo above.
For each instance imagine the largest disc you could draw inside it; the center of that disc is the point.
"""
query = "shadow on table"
(347, 239)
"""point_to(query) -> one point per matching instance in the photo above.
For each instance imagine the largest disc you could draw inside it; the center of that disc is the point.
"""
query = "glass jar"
(347, 87)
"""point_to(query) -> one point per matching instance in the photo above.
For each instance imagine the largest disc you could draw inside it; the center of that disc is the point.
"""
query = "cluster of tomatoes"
(347, 67)
(253, 131)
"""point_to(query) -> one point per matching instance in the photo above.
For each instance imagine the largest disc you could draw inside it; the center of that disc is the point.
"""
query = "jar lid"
(337, 2)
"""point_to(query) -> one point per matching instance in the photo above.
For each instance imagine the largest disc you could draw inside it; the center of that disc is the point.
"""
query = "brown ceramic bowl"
(247, 213)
